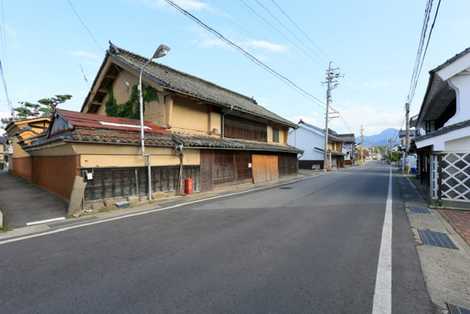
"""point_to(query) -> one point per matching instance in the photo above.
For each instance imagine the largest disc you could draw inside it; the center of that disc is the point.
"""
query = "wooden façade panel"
(265, 168)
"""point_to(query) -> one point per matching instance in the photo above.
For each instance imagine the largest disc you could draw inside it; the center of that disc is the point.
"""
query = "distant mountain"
(380, 139)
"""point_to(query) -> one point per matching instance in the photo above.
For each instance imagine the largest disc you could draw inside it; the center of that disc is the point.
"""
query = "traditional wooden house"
(194, 128)
(311, 139)
(335, 149)
(348, 147)
(444, 119)
(20, 161)
(3, 159)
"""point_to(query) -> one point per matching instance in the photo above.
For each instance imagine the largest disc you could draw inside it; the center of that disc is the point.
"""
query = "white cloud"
(374, 118)
(85, 55)
(190, 5)
(206, 40)
(314, 118)
(265, 45)
(4, 114)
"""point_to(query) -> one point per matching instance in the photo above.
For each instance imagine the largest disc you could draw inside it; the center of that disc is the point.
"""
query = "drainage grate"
(454, 309)
(419, 210)
(285, 187)
(435, 238)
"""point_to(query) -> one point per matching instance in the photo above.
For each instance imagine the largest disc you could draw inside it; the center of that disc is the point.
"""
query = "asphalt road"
(309, 247)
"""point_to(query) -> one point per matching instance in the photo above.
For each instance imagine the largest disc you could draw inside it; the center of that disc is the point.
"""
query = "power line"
(296, 25)
(419, 54)
(420, 45)
(247, 54)
(427, 45)
(287, 29)
(88, 30)
(5, 87)
(279, 31)
(250, 56)
(3, 32)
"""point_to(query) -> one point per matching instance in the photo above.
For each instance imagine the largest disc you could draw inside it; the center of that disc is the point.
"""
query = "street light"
(161, 51)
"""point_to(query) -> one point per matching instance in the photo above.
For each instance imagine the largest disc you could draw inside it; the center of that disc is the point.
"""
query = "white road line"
(383, 282)
(37, 222)
(76, 226)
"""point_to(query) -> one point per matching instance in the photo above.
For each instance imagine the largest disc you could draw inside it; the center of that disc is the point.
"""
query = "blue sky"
(373, 42)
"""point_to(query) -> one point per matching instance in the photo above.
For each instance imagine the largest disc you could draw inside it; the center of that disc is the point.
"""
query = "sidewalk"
(156, 205)
(446, 271)
(460, 220)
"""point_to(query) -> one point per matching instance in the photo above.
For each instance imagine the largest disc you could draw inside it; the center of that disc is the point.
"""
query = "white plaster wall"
(461, 84)
(307, 141)
(461, 145)
(347, 151)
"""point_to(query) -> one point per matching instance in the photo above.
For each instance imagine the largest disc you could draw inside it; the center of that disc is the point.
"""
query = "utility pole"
(362, 145)
(407, 135)
(332, 76)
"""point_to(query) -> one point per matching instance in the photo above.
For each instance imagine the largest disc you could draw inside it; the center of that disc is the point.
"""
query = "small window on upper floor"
(275, 135)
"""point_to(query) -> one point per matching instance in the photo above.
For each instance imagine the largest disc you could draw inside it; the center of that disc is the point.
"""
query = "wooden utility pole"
(332, 75)
(407, 135)
(362, 144)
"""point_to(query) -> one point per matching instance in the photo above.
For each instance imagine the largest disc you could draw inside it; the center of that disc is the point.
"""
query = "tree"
(48, 105)
(42, 108)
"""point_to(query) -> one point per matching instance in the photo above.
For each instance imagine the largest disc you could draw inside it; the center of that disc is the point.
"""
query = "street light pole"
(161, 51)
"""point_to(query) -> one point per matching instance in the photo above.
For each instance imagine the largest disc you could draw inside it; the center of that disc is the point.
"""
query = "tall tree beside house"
(42, 108)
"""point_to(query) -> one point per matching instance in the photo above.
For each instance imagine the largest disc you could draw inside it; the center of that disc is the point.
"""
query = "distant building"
(348, 147)
(311, 139)
(3, 158)
(19, 161)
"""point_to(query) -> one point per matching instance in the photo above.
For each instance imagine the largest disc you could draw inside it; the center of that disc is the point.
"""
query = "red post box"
(188, 185)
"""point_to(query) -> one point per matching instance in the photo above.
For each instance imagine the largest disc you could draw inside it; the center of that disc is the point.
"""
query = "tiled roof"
(97, 121)
(88, 128)
(332, 135)
(194, 86)
(449, 61)
(444, 130)
(348, 138)
(431, 81)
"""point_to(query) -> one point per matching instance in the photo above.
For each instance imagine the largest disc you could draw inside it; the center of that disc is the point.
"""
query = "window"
(235, 127)
(275, 135)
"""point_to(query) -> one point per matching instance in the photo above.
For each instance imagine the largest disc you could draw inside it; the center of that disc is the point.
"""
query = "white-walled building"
(444, 150)
(311, 140)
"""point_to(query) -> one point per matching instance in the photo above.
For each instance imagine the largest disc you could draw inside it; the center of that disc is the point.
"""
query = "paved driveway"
(24, 202)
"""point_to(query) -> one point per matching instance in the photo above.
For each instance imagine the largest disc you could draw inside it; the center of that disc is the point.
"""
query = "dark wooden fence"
(288, 164)
(123, 182)
(219, 167)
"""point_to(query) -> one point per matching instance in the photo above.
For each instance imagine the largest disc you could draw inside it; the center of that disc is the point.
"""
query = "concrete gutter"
(446, 271)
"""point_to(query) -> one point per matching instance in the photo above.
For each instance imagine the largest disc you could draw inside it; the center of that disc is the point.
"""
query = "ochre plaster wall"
(55, 173)
(93, 156)
(189, 117)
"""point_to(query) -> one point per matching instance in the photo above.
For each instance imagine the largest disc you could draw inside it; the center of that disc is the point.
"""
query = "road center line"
(383, 282)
